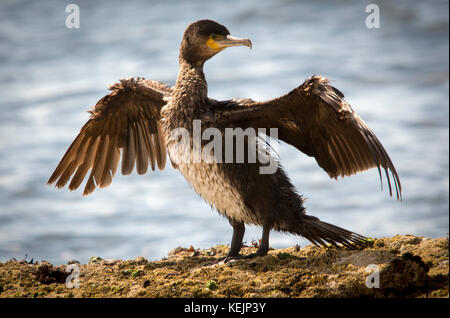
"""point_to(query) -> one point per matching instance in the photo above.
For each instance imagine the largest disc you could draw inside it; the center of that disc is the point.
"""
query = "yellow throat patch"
(213, 44)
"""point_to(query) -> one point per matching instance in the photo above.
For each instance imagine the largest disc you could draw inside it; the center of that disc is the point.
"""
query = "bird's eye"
(217, 37)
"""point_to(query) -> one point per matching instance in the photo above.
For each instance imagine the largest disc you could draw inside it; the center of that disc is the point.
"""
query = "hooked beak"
(233, 41)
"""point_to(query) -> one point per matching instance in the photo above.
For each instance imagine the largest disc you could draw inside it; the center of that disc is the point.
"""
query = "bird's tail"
(322, 233)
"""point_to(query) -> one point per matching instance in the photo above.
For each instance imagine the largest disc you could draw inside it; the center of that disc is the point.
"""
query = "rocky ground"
(401, 266)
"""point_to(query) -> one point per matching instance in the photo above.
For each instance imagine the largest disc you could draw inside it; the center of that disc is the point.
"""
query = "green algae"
(409, 266)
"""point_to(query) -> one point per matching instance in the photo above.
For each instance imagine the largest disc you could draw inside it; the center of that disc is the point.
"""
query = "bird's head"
(205, 38)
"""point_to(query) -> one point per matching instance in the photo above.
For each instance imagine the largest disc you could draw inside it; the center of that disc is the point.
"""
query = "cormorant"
(136, 119)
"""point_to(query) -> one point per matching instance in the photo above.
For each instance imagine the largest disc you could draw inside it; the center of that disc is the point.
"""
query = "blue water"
(396, 78)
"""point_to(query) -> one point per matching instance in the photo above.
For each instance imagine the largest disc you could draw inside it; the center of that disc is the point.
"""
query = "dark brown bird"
(136, 121)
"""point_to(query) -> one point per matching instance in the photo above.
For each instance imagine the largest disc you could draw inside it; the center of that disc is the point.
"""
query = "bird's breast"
(210, 179)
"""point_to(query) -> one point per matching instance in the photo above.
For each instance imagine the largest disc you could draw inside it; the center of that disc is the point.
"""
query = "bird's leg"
(236, 243)
(236, 240)
(264, 246)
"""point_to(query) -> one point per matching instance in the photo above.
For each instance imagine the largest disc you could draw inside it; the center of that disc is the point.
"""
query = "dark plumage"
(136, 119)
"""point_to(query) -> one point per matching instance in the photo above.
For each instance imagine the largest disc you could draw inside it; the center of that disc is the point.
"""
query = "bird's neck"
(191, 86)
(189, 96)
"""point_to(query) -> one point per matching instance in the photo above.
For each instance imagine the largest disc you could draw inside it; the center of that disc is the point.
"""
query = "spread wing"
(315, 119)
(127, 121)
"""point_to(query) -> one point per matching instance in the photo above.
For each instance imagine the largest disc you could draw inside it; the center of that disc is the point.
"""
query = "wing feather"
(88, 159)
(315, 119)
(100, 160)
(142, 157)
(119, 126)
(129, 153)
(67, 159)
(149, 143)
(161, 151)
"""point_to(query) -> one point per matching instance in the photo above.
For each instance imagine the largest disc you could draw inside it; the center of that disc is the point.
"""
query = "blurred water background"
(396, 78)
